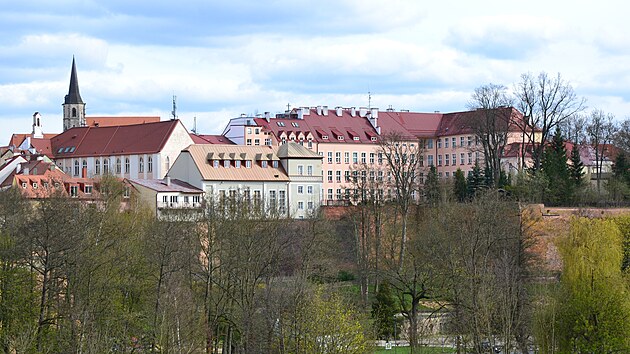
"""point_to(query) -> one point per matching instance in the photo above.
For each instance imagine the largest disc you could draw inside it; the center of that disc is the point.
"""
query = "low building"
(169, 198)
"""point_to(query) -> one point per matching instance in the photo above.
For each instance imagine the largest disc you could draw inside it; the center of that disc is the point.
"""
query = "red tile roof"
(18, 139)
(464, 122)
(117, 121)
(210, 139)
(118, 140)
(409, 125)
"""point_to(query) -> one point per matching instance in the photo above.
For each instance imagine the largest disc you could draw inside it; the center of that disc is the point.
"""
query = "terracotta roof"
(409, 125)
(160, 185)
(54, 181)
(295, 150)
(210, 139)
(464, 122)
(118, 140)
(18, 139)
(321, 125)
(116, 121)
(203, 156)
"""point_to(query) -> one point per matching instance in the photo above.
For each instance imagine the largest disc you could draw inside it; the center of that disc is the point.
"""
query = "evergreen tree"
(432, 187)
(488, 180)
(384, 313)
(504, 179)
(475, 181)
(621, 168)
(554, 167)
(576, 168)
(460, 188)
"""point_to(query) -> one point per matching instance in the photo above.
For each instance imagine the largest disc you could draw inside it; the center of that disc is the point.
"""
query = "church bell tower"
(73, 106)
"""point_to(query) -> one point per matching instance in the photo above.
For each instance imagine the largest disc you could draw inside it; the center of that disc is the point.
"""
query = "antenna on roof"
(369, 99)
(194, 129)
(174, 111)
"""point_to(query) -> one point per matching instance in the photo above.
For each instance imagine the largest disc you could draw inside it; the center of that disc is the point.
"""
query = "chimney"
(353, 111)
(319, 110)
(339, 111)
(168, 180)
(84, 172)
(300, 114)
(373, 117)
(267, 116)
(325, 110)
(390, 108)
(306, 111)
(363, 112)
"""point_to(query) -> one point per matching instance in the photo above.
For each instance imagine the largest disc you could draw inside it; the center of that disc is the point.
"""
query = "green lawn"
(423, 350)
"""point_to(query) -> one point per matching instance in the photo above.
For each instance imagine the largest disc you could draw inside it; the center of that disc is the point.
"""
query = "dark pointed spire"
(73, 95)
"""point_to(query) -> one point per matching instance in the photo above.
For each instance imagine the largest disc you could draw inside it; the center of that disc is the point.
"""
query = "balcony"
(180, 205)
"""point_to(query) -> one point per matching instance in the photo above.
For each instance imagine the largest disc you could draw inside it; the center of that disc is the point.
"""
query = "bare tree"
(403, 164)
(493, 119)
(600, 130)
(545, 103)
(622, 136)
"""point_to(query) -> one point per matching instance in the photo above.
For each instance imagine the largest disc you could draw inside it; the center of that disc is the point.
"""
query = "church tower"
(73, 106)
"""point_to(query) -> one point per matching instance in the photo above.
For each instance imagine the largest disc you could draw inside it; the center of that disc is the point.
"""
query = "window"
(74, 112)
(126, 165)
(97, 167)
(445, 142)
(454, 159)
(373, 138)
(300, 205)
(88, 189)
(150, 164)
(371, 158)
(76, 167)
(268, 141)
(309, 189)
(249, 130)
(338, 157)
(226, 163)
(330, 176)
(237, 163)
(330, 194)
(338, 176)
(300, 170)
(295, 124)
(330, 157)
(24, 185)
(324, 137)
(249, 141)
(106, 165)
(439, 160)
(197, 198)
(263, 164)
(282, 202)
(447, 174)
(439, 143)
(469, 140)
(470, 158)
(346, 157)
(257, 131)
(257, 142)
(380, 158)
(310, 144)
(355, 157)
(274, 163)
(430, 160)
(248, 163)
(454, 142)
(300, 189)
(447, 160)
(34, 185)
(310, 205)
(272, 199)
(174, 199)
(118, 165)
(141, 165)
(430, 144)
(461, 141)
(309, 170)
(462, 159)
(84, 166)
(164, 199)
(347, 176)
(280, 124)
(363, 157)
(215, 163)
(339, 194)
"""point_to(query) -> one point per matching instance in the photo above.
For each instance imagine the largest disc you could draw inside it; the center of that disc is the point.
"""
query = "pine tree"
(576, 168)
(554, 167)
(621, 168)
(475, 181)
(432, 187)
(384, 312)
(460, 187)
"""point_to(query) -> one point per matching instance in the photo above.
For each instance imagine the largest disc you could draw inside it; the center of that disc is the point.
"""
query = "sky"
(225, 58)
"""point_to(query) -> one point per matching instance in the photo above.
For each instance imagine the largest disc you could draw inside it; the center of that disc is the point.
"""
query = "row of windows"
(309, 170)
(238, 163)
(347, 194)
(451, 159)
(309, 189)
(257, 142)
(350, 176)
(356, 157)
(118, 165)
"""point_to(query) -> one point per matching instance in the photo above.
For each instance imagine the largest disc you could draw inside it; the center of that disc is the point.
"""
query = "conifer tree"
(460, 187)
(432, 187)
(621, 168)
(576, 168)
(475, 180)
(554, 167)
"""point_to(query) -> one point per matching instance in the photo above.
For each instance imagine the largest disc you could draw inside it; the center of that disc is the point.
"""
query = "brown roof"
(18, 139)
(204, 155)
(117, 140)
(43, 185)
(409, 125)
(116, 121)
(465, 122)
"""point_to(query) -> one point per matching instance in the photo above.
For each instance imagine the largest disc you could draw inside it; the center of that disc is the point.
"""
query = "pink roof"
(322, 125)
(116, 121)
(409, 125)
(463, 122)
(118, 140)
(18, 139)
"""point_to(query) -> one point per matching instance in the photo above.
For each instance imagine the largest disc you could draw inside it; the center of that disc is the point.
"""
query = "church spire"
(73, 95)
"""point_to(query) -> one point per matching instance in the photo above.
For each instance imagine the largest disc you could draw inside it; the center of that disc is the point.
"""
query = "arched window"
(74, 112)
(168, 163)
(118, 165)
(106, 165)
(84, 167)
(150, 164)
(38, 121)
(126, 165)
(141, 165)
(76, 167)
(97, 167)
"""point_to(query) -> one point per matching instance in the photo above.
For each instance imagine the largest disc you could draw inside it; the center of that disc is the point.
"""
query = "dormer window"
(340, 137)
(373, 138)
(226, 163)
(237, 163)
(215, 163)
(356, 138)
(263, 164)
(34, 185)
(24, 185)
(325, 137)
(88, 189)
(280, 124)
(275, 163)
(295, 124)
(248, 163)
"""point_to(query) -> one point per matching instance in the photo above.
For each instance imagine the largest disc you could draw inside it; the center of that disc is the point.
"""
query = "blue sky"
(224, 58)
